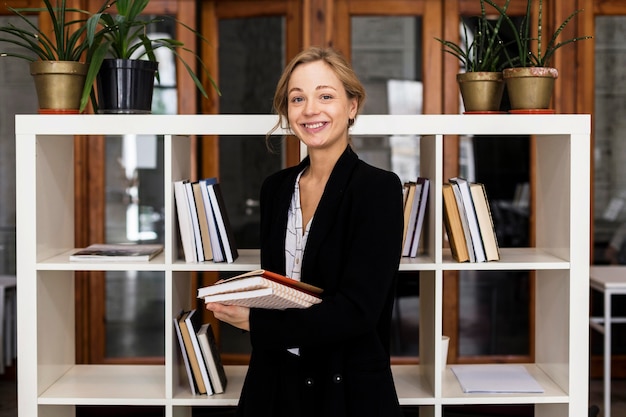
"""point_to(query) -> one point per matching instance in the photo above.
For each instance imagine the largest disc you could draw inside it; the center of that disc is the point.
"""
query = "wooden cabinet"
(50, 383)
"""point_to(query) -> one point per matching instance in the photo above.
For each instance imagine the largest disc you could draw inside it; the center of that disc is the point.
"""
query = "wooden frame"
(326, 22)
(586, 85)
(90, 200)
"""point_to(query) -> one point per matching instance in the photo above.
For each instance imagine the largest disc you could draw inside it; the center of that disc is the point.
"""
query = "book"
(464, 224)
(212, 358)
(226, 234)
(214, 236)
(270, 298)
(234, 283)
(468, 212)
(495, 378)
(409, 226)
(409, 197)
(190, 338)
(453, 225)
(185, 228)
(419, 223)
(186, 371)
(195, 223)
(120, 252)
(264, 289)
(485, 221)
(202, 221)
(405, 192)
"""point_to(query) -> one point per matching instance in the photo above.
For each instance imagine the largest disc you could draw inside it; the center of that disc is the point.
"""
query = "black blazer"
(353, 252)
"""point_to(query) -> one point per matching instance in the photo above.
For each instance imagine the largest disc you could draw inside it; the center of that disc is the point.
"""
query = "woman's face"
(318, 106)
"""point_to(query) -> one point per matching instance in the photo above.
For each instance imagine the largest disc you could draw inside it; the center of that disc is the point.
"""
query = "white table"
(8, 324)
(609, 280)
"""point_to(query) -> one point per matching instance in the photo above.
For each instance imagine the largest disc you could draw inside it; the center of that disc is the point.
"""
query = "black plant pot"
(126, 86)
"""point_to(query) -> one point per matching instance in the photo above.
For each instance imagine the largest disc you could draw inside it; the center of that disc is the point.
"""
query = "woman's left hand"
(234, 315)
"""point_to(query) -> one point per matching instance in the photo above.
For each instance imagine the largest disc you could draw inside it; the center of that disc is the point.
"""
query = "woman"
(335, 222)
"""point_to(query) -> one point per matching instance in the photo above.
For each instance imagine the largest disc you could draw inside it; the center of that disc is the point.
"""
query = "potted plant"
(58, 61)
(481, 84)
(122, 49)
(529, 77)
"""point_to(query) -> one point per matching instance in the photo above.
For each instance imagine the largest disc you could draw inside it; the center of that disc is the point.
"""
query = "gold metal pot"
(481, 91)
(530, 88)
(59, 85)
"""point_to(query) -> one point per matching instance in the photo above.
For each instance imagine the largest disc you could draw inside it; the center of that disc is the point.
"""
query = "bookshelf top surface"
(261, 124)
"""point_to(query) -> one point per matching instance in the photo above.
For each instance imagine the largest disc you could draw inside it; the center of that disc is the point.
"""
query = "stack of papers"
(495, 378)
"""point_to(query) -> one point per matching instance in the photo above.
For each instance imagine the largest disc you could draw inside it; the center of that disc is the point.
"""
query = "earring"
(350, 122)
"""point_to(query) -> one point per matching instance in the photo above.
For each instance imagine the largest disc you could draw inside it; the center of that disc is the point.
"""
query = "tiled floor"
(8, 398)
(618, 396)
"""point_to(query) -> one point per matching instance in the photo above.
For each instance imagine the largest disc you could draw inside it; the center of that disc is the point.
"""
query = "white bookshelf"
(50, 383)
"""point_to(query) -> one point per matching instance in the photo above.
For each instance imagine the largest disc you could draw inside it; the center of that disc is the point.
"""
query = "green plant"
(540, 57)
(124, 35)
(484, 52)
(67, 42)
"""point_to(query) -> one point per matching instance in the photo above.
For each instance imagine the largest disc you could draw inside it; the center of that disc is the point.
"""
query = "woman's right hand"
(236, 316)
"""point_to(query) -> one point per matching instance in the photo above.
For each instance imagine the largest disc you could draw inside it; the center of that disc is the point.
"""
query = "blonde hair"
(336, 61)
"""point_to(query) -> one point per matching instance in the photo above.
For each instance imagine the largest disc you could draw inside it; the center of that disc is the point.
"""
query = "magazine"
(124, 252)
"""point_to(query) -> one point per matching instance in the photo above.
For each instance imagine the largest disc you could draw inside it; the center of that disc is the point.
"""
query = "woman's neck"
(322, 163)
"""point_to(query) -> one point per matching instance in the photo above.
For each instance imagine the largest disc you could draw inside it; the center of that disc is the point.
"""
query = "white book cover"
(410, 232)
(212, 358)
(184, 221)
(496, 378)
(472, 220)
(485, 222)
(193, 334)
(463, 215)
(183, 351)
(218, 251)
(193, 213)
(202, 221)
(419, 224)
(223, 224)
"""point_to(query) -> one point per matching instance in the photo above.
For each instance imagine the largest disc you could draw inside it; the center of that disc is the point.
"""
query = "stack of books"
(468, 222)
(200, 355)
(262, 289)
(415, 200)
(204, 227)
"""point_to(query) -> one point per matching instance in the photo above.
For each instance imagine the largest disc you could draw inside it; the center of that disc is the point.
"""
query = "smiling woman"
(332, 358)
(319, 109)
(319, 114)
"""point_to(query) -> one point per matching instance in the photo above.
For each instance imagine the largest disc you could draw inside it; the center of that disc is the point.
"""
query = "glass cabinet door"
(609, 176)
(386, 52)
(251, 59)
(610, 147)
(135, 300)
(19, 97)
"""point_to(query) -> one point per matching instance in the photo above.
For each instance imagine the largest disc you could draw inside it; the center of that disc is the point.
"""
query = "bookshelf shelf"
(108, 385)
(248, 260)
(553, 394)
(51, 383)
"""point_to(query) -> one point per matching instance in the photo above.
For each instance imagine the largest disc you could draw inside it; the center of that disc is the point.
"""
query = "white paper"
(495, 378)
